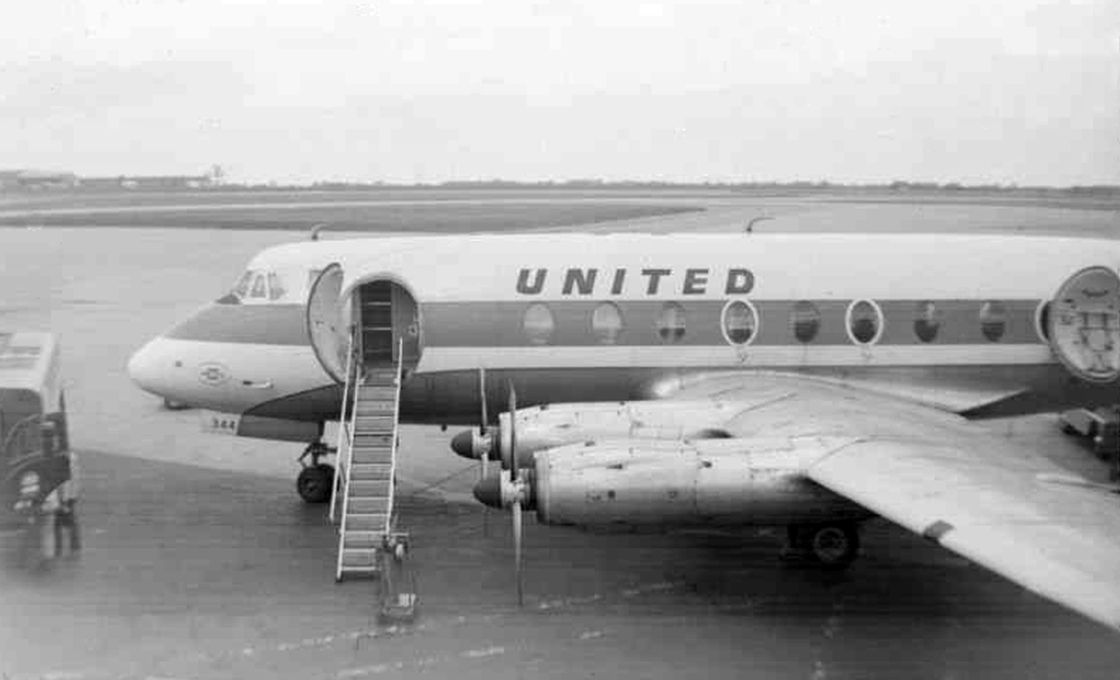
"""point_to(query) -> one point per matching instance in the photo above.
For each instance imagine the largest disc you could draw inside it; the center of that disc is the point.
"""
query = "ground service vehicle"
(38, 471)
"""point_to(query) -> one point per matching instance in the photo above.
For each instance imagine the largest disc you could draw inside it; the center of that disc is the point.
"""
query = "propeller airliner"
(808, 381)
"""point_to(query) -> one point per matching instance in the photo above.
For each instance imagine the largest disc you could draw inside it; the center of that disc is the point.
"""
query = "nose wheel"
(316, 479)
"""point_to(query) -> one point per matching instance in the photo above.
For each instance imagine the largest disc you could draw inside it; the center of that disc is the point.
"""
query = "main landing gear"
(316, 479)
(831, 546)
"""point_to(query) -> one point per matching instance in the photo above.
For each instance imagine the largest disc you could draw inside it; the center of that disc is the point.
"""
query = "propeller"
(484, 460)
(518, 487)
(483, 423)
(513, 492)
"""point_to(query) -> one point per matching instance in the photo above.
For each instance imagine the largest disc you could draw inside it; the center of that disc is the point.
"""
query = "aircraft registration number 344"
(214, 422)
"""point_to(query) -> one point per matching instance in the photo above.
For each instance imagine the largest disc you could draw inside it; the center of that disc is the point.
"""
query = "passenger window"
(258, 290)
(740, 321)
(275, 286)
(927, 321)
(671, 322)
(538, 324)
(606, 323)
(993, 320)
(864, 322)
(805, 320)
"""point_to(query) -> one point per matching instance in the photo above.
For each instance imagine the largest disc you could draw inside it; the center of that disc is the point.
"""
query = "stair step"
(372, 457)
(365, 522)
(372, 439)
(363, 539)
(382, 392)
(379, 423)
(369, 505)
(380, 376)
(361, 488)
(370, 471)
(359, 557)
(376, 407)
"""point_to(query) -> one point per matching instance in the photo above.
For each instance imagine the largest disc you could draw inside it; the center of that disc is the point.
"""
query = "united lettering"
(589, 281)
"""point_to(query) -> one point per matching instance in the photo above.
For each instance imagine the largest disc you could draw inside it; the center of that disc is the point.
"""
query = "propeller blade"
(484, 463)
(485, 421)
(512, 433)
(517, 552)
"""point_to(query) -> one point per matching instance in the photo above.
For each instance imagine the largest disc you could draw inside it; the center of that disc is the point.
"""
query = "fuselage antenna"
(316, 229)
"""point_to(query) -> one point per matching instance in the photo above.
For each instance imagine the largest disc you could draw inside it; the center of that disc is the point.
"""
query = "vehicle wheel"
(314, 483)
(834, 546)
(39, 543)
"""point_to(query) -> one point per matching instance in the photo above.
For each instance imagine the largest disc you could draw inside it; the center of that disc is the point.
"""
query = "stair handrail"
(352, 427)
(339, 475)
(393, 449)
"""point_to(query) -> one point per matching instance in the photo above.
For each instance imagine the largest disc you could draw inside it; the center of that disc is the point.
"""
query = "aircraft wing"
(1005, 506)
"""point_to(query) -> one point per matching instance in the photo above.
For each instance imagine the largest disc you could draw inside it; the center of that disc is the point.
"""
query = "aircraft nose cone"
(141, 367)
(463, 444)
(488, 491)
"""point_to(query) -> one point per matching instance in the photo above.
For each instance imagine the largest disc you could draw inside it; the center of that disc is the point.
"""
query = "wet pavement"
(190, 572)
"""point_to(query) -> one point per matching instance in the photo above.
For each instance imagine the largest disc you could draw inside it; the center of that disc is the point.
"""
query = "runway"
(200, 562)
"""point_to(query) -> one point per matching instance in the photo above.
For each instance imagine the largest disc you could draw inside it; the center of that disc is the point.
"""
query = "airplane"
(702, 379)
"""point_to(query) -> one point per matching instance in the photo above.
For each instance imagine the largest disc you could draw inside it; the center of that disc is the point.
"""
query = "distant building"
(37, 179)
(148, 182)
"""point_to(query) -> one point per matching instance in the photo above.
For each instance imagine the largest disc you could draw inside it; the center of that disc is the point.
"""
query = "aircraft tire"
(833, 546)
(314, 483)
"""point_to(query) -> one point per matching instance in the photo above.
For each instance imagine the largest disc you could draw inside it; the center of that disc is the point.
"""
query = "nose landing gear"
(316, 479)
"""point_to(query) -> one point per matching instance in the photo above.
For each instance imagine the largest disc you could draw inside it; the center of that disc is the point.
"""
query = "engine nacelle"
(553, 425)
(712, 482)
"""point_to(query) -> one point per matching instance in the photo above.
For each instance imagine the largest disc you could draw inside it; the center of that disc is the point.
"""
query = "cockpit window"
(262, 286)
(242, 287)
(258, 291)
(275, 286)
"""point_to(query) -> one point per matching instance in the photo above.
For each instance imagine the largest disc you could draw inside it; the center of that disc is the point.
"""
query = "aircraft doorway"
(388, 322)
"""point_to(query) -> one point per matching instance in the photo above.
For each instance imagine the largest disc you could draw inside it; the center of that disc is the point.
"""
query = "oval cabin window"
(538, 324)
(993, 320)
(606, 323)
(927, 321)
(671, 322)
(805, 319)
(740, 322)
(864, 322)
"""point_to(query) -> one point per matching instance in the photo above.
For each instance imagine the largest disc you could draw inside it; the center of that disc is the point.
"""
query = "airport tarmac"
(200, 562)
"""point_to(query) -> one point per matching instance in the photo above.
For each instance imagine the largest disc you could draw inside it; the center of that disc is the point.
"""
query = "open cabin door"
(326, 327)
(389, 322)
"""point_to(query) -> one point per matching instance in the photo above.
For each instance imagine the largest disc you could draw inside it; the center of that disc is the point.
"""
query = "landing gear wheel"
(833, 546)
(830, 546)
(314, 483)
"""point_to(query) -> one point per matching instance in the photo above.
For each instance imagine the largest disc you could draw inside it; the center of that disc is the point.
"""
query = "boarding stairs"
(365, 482)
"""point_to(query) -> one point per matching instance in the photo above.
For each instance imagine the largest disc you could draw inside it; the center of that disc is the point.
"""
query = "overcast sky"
(966, 90)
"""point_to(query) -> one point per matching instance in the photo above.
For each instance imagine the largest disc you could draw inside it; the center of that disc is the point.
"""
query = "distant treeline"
(895, 186)
(1105, 191)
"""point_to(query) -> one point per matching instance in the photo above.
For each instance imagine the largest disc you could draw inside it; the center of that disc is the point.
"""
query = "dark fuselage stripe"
(271, 324)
